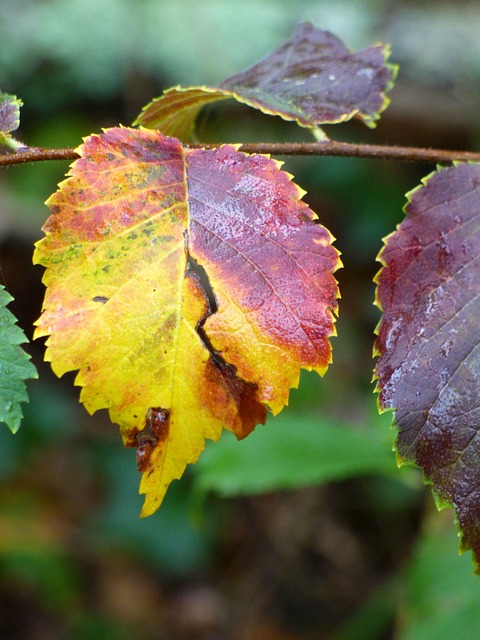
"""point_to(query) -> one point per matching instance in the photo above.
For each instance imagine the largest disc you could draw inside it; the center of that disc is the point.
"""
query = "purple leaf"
(9, 113)
(312, 79)
(429, 339)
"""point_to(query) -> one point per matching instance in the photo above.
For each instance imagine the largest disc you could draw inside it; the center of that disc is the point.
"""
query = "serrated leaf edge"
(440, 503)
(5, 300)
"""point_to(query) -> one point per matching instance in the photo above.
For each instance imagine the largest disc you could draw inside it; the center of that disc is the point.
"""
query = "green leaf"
(311, 79)
(292, 451)
(429, 339)
(9, 118)
(15, 366)
(442, 595)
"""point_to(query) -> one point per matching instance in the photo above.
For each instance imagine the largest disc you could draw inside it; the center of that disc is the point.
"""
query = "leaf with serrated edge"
(429, 339)
(131, 230)
(311, 79)
(15, 366)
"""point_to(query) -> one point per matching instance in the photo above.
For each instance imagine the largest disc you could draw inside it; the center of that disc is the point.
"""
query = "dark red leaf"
(429, 339)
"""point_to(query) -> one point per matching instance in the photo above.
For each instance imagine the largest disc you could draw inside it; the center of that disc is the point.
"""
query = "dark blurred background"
(346, 547)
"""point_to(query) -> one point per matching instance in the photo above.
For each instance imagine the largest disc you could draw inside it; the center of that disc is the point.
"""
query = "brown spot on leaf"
(250, 410)
(145, 446)
(154, 434)
(158, 421)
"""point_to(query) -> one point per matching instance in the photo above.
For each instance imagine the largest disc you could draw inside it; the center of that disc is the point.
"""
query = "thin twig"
(351, 150)
(328, 148)
(36, 154)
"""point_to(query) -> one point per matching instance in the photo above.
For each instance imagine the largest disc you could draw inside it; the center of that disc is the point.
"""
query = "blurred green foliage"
(295, 449)
(441, 593)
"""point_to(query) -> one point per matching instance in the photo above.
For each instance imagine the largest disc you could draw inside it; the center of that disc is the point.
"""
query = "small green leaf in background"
(9, 118)
(293, 451)
(311, 79)
(15, 366)
(442, 595)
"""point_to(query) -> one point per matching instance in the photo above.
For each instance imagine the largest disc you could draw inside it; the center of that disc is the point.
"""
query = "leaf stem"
(325, 148)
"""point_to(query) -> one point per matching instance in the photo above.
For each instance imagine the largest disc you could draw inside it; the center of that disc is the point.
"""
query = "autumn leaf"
(312, 79)
(187, 287)
(9, 118)
(15, 366)
(429, 339)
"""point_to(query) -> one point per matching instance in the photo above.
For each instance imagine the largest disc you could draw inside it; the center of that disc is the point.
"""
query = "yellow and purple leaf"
(312, 79)
(187, 287)
(429, 340)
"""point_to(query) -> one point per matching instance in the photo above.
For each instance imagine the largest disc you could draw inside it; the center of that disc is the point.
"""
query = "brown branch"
(351, 150)
(36, 154)
(328, 148)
